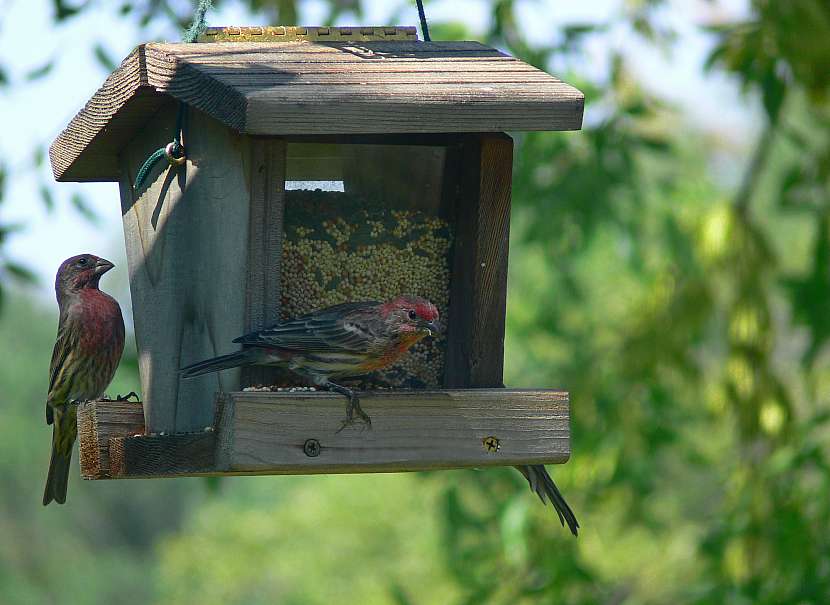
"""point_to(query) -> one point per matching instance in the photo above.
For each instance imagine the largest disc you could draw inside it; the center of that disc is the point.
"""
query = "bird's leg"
(352, 408)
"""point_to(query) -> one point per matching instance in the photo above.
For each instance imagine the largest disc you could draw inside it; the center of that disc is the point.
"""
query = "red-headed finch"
(343, 341)
(349, 340)
(86, 354)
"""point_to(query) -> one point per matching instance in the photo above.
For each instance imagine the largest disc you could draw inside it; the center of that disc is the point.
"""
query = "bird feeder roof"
(315, 86)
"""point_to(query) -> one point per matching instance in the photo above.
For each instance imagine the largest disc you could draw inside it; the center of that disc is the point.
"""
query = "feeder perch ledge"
(268, 433)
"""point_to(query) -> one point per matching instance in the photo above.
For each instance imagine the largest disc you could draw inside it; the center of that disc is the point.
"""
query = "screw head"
(312, 448)
(491, 444)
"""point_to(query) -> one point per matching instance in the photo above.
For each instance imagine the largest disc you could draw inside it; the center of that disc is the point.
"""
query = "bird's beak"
(433, 327)
(102, 266)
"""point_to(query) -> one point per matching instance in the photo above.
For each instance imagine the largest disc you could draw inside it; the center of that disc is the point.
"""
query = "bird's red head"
(79, 272)
(412, 314)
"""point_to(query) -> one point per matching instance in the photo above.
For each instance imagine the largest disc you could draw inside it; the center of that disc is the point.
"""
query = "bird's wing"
(329, 330)
(64, 345)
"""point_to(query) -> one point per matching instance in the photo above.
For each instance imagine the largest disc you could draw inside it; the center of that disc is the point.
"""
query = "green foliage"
(689, 321)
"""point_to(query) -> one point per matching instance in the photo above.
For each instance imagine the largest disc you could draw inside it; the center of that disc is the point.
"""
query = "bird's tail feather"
(58, 478)
(223, 362)
(544, 487)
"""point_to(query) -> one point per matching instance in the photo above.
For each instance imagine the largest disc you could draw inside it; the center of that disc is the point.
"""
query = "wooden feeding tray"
(271, 433)
(410, 139)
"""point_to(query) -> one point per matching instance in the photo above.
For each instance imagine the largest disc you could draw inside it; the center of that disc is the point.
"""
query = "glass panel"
(367, 222)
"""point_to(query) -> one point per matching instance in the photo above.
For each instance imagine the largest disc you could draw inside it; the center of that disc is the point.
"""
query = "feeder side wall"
(187, 246)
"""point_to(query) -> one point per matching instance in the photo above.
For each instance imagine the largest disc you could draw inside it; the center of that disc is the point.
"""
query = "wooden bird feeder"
(323, 165)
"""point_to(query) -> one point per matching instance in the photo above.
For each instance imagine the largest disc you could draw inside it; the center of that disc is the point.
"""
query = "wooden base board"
(267, 433)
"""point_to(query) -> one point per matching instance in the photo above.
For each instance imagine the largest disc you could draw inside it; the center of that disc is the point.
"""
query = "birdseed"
(339, 248)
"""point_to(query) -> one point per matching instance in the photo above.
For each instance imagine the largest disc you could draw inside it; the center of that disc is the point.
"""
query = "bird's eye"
(82, 262)
(412, 315)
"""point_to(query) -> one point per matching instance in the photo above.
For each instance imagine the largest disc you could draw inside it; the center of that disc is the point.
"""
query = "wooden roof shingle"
(313, 87)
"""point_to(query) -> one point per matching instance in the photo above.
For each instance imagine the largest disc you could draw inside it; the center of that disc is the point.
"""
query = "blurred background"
(668, 266)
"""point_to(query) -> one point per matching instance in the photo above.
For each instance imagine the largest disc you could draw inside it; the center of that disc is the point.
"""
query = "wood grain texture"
(260, 433)
(306, 88)
(97, 423)
(186, 235)
(267, 207)
(412, 430)
(475, 341)
(294, 32)
(146, 456)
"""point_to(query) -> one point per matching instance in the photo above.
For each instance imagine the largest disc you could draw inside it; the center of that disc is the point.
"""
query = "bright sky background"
(37, 112)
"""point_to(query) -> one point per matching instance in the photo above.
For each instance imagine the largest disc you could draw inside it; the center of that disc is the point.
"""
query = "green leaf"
(213, 485)
(38, 155)
(40, 72)
(46, 197)
(19, 272)
(63, 11)
(80, 204)
(104, 58)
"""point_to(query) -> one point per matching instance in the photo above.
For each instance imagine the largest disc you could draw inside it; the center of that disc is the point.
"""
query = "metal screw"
(491, 444)
(311, 447)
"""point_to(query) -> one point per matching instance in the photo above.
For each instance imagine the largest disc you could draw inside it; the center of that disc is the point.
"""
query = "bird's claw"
(121, 398)
(353, 408)
(127, 397)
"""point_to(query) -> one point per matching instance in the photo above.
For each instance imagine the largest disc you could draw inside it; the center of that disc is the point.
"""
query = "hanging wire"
(423, 17)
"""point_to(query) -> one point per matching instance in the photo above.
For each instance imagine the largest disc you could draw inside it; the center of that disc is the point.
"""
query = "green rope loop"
(197, 27)
(147, 166)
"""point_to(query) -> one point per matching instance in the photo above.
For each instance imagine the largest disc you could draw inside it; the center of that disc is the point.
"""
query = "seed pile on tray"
(339, 248)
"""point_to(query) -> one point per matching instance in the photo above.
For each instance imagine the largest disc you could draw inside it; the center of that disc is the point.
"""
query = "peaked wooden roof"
(314, 87)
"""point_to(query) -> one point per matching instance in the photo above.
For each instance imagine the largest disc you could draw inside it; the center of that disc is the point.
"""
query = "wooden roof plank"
(313, 88)
(380, 47)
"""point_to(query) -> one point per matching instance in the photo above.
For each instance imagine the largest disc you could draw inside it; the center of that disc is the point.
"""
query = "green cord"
(197, 27)
(147, 166)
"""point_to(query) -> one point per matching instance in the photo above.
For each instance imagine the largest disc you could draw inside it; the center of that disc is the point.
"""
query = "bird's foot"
(127, 397)
(354, 404)
(121, 398)
(352, 408)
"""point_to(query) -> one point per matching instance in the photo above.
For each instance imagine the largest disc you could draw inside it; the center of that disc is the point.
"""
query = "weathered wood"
(267, 207)
(279, 433)
(186, 235)
(306, 88)
(294, 32)
(409, 176)
(412, 430)
(98, 422)
(145, 456)
(475, 341)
